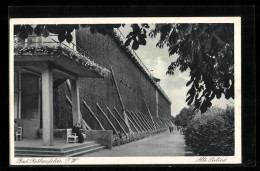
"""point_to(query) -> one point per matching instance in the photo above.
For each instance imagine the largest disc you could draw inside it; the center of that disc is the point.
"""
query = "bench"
(71, 137)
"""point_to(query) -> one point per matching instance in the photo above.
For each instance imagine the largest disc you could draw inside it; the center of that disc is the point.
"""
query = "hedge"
(212, 133)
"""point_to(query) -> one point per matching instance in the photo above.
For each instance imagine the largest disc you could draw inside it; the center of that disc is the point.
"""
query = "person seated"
(76, 129)
(83, 127)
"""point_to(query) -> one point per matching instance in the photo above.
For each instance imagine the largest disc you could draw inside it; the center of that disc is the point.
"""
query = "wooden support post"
(68, 85)
(150, 112)
(111, 124)
(138, 121)
(131, 122)
(163, 125)
(166, 121)
(141, 120)
(93, 114)
(158, 122)
(157, 125)
(157, 103)
(134, 121)
(109, 111)
(146, 121)
(120, 99)
(58, 82)
(47, 106)
(123, 120)
(85, 123)
(142, 128)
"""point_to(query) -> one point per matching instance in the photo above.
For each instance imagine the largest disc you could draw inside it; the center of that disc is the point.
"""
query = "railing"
(123, 38)
(51, 42)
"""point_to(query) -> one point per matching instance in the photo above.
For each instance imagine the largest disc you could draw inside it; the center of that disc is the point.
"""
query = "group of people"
(171, 128)
(78, 130)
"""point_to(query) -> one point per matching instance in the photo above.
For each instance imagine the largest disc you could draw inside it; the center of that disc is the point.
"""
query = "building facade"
(127, 88)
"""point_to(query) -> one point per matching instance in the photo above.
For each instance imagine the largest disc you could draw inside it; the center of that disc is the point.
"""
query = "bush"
(212, 133)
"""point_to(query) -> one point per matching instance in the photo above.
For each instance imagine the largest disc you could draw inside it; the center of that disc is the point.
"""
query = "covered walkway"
(165, 144)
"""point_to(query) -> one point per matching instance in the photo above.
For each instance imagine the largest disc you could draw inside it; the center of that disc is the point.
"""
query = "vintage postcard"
(114, 91)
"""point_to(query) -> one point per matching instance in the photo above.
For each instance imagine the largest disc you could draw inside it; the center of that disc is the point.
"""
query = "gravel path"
(165, 144)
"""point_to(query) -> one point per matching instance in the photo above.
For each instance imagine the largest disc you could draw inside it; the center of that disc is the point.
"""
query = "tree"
(185, 116)
(206, 50)
(212, 134)
(62, 30)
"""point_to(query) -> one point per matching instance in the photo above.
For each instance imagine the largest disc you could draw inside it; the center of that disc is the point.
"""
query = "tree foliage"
(212, 134)
(185, 116)
(62, 30)
(206, 50)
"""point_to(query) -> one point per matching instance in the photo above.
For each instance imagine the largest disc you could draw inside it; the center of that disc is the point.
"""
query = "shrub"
(212, 133)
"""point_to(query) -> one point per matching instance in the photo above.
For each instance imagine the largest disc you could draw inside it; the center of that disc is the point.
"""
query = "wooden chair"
(19, 133)
(71, 137)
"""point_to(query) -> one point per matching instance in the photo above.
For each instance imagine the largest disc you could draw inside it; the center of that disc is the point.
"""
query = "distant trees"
(185, 116)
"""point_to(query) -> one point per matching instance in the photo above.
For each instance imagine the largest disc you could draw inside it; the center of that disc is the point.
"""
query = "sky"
(157, 61)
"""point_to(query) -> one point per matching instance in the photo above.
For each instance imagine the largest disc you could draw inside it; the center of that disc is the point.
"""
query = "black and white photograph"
(162, 90)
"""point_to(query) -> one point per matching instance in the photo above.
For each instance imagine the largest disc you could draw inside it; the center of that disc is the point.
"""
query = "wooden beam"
(134, 121)
(129, 129)
(138, 120)
(142, 128)
(85, 123)
(143, 123)
(119, 96)
(163, 125)
(149, 112)
(147, 125)
(142, 120)
(109, 111)
(93, 114)
(157, 125)
(157, 121)
(38, 64)
(146, 120)
(107, 118)
(66, 74)
(30, 71)
(58, 82)
(128, 120)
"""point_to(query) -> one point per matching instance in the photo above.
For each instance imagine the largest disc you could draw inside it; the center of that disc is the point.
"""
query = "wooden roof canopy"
(59, 55)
